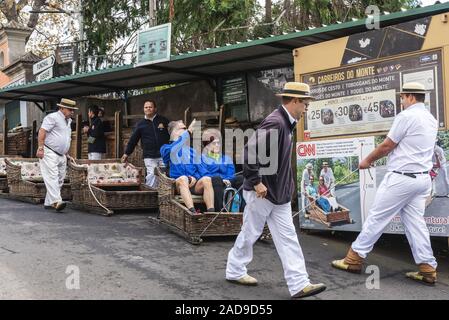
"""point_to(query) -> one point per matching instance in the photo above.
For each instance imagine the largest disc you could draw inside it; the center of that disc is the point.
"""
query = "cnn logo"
(306, 150)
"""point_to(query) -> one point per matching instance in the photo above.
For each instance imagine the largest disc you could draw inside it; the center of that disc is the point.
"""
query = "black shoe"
(60, 206)
(49, 207)
(310, 290)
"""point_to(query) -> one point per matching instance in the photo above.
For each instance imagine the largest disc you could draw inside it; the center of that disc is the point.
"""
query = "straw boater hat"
(413, 87)
(67, 103)
(325, 164)
(296, 90)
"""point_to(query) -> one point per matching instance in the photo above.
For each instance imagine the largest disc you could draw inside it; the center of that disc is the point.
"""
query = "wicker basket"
(112, 196)
(193, 226)
(19, 143)
(136, 158)
(29, 189)
(3, 184)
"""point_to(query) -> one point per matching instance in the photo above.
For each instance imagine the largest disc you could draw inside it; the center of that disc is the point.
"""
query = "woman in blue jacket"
(219, 167)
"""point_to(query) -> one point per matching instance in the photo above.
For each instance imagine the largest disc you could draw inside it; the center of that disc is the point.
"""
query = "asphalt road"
(126, 257)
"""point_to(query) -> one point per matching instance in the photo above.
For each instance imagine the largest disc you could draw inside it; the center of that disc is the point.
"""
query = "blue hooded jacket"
(182, 159)
(223, 167)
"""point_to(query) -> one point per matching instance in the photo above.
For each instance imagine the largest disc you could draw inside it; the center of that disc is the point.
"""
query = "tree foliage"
(110, 27)
(106, 23)
(302, 14)
(49, 29)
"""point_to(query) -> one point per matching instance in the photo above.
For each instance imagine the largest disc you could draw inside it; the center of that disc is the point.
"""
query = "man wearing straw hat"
(268, 192)
(54, 144)
(404, 189)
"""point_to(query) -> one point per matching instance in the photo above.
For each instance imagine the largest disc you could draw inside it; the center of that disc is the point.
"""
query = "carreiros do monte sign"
(362, 99)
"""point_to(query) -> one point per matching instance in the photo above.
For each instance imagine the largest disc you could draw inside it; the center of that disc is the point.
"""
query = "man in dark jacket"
(152, 132)
(96, 143)
(268, 189)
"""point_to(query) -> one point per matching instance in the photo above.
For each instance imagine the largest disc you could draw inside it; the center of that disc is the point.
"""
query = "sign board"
(154, 45)
(47, 74)
(352, 189)
(363, 98)
(65, 54)
(234, 91)
(44, 64)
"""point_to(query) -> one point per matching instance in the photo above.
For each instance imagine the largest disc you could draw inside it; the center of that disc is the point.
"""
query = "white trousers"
(406, 197)
(95, 156)
(279, 219)
(53, 169)
(151, 180)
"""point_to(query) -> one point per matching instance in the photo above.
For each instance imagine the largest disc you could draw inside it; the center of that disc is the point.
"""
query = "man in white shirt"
(329, 179)
(404, 189)
(54, 144)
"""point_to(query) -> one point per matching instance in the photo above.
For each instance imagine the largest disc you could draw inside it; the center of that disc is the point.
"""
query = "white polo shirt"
(59, 132)
(414, 130)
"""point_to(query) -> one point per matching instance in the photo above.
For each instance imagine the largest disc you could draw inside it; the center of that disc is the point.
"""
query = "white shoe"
(245, 280)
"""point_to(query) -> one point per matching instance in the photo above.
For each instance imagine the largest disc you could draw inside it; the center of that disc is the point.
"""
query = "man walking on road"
(54, 140)
(268, 196)
(404, 189)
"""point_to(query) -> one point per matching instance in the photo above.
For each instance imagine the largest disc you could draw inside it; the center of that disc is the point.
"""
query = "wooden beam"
(221, 126)
(33, 139)
(126, 108)
(206, 114)
(5, 135)
(79, 137)
(118, 134)
(187, 116)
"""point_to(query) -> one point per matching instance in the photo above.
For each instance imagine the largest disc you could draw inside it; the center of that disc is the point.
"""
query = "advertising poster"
(275, 79)
(363, 99)
(356, 192)
(154, 45)
(348, 194)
